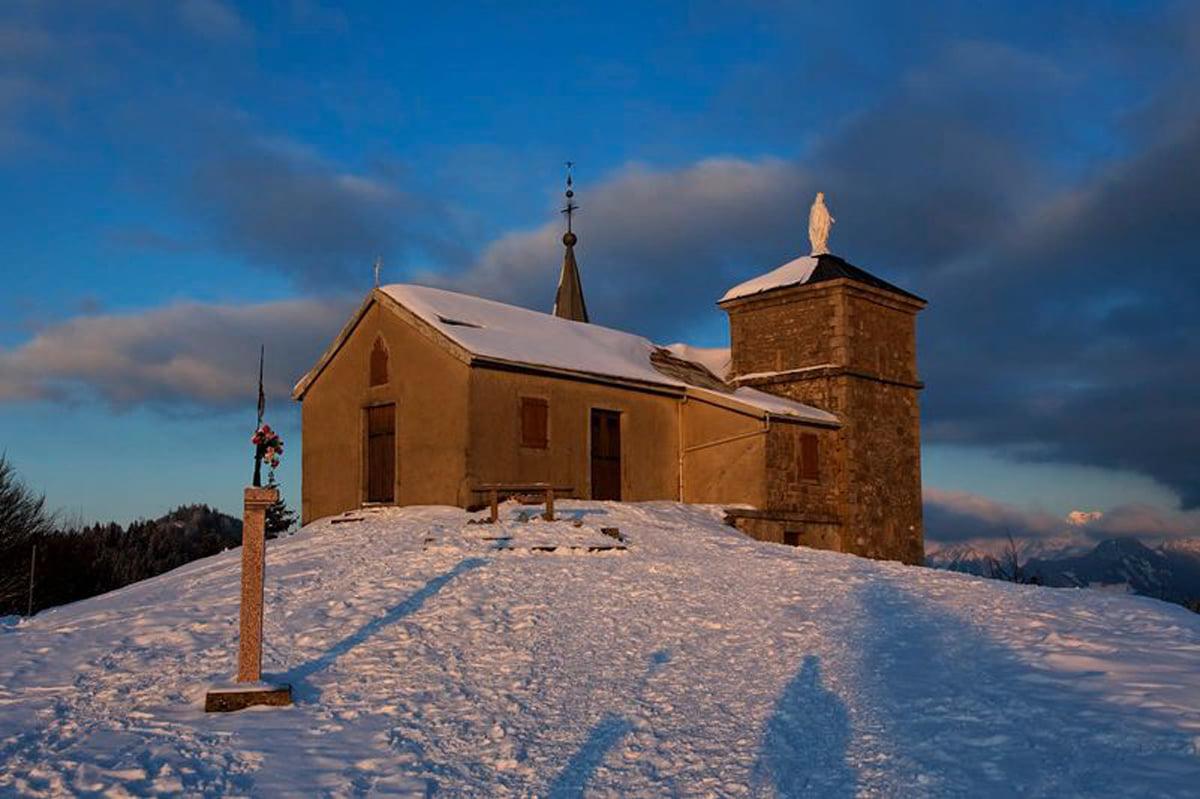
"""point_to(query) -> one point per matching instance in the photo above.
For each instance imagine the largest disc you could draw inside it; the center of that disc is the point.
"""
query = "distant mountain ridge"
(1168, 571)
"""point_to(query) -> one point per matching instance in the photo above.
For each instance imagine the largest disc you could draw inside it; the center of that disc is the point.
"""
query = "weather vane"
(378, 268)
(571, 206)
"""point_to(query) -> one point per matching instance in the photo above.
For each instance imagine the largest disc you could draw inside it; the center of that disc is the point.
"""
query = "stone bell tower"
(821, 331)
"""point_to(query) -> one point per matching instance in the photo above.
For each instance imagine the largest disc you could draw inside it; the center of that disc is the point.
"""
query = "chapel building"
(807, 427)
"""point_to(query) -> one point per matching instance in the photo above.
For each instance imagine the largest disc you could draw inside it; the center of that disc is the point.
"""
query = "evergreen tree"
(24, 520)
(280, 517)
(79, 562)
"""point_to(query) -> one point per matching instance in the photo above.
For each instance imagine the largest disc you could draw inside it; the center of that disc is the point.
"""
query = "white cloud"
(185, 355)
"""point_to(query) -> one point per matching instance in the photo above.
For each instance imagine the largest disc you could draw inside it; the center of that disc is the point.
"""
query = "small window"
(445, 320)
(809, 457)
(791, 538)
(379, 363)
(534, 422)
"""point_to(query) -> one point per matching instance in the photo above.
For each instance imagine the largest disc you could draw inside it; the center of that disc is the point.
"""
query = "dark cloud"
(183, 356)
(656, 247)
(1077, 339)
(922, 179)
(1063, 320)
(282, 206)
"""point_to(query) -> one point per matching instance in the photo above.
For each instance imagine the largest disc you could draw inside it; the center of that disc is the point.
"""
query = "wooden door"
(606, 454)
(381, 453)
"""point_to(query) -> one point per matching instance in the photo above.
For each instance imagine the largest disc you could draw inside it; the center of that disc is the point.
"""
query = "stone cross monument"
(249, 688)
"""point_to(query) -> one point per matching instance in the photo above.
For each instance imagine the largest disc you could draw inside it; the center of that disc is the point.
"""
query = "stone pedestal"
(250, 690)
(241, 695)
(254, 546)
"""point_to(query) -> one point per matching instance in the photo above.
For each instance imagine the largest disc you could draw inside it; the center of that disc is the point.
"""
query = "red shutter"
(809, 457)
(534, 422)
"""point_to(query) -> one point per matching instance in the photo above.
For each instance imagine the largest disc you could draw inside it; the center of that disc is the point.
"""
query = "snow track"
(698, 662)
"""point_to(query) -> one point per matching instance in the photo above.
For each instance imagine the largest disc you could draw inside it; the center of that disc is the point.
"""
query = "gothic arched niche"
(379, 363)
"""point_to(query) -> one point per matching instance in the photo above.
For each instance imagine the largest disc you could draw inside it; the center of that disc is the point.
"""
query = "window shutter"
(809, 457)
(534, 422)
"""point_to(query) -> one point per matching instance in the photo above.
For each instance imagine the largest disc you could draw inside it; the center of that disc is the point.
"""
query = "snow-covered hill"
(428, 658)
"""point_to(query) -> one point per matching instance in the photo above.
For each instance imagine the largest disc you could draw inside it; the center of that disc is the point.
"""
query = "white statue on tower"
(819, 223)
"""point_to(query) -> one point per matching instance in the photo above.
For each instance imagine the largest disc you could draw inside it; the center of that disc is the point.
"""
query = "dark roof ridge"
(832, 267)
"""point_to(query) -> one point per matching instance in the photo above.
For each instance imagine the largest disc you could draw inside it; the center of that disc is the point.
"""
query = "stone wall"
(780, 529)
(786, 489)
(849, 349)
(768, 335)
(881, 339)
(883, 455)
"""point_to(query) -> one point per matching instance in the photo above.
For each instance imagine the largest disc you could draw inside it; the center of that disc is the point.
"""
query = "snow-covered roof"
(503, 332)
(790, 274)
(499, 332)
(813, 269)
(717, 360)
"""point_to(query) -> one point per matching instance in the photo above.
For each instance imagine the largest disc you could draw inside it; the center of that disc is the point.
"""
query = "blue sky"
(181, 180)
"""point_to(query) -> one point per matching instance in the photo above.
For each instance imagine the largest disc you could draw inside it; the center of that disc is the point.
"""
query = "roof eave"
(672, 389)
(730, 402)
(902, 298)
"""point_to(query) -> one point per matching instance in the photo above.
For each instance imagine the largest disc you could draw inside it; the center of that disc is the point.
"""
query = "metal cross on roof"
(571, 206)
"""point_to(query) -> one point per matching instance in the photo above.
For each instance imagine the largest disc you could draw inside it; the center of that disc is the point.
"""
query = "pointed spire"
(568, 302)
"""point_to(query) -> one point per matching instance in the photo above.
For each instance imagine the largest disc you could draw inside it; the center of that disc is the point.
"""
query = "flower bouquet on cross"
(268, 448)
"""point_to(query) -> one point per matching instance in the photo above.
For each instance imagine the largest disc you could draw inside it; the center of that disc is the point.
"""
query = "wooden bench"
(494, 490)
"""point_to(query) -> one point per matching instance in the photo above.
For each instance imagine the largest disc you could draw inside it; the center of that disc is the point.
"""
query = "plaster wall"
(732, 472)
(429, 388)
(649, 440)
